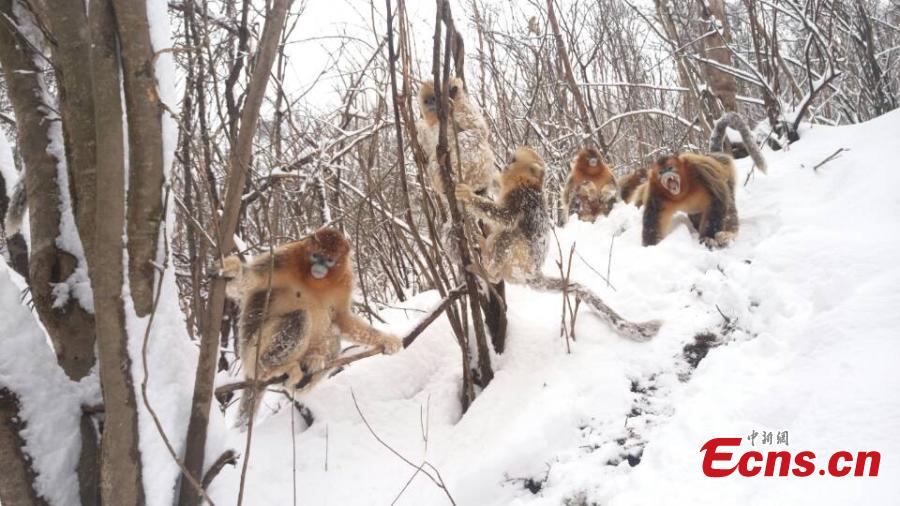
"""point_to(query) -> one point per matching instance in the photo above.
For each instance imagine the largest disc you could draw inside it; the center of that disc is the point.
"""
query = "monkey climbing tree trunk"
(441, 85)
(239, 165)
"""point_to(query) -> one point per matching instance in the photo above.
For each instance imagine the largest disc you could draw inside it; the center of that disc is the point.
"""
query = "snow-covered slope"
(803, 310)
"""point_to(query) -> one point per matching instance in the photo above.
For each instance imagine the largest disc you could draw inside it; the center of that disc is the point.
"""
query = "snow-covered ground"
(804, 310)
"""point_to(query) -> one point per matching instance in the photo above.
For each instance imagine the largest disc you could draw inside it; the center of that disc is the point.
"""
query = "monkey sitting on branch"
(295, 308)
(516, 248)
(702, 186)
(590, 190)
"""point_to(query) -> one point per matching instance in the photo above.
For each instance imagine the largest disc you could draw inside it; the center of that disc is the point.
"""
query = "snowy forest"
(466, 252)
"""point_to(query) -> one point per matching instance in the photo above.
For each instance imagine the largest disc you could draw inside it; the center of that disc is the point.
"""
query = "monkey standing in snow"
(702, 186)
(590, 190)
(516, 248)
(295, 307)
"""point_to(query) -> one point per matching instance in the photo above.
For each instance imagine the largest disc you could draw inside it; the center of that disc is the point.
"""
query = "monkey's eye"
(666, 168)
(329, 262)
(429, 100)
(453, 91)
(315, 258)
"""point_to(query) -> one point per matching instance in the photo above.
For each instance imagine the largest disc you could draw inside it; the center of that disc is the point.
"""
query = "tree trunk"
(120, 473)
(71, 50)
(145, 181)
(70, 327)
(239, 165)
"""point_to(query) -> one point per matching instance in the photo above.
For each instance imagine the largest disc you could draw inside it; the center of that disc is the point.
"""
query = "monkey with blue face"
(295, 308)
(471, 158)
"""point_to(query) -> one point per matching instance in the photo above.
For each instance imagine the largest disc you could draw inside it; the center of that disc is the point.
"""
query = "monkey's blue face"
(431, 103)
(320, 265)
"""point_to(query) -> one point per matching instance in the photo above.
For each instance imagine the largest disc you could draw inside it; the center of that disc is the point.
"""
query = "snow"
(7, 165)
(50, 406)
(803, 307)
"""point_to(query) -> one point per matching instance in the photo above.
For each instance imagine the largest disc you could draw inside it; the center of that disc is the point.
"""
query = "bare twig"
(228, 457)
(436, 478)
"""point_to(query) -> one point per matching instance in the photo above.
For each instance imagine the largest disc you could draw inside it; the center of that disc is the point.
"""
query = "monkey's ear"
(537, 170)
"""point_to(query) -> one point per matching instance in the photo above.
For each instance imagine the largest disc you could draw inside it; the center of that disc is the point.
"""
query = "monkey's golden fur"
(294, 311)
(599, 196)
(467, 137)
(516, 247)
(633, 187)
(702, 186)
(589, 202)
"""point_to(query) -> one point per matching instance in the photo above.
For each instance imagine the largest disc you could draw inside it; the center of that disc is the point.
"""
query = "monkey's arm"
(355, 329)
(487, 208)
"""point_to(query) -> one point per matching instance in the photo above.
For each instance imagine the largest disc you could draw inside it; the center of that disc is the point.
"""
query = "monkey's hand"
(464, 193)
(313, 363)
(391, 344)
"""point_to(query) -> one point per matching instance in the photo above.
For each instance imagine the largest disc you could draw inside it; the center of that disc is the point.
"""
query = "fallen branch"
(830, 158)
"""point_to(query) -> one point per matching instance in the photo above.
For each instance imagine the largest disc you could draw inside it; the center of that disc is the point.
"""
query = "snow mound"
(789, 329)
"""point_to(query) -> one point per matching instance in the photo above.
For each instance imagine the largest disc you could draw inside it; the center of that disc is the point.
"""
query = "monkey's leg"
(696, 221)
(656, 220)
(287, 334)
(496, 256)
(714, 233)
(312, 364)
(252, 318)
(290, 335)
(355, 329)
(731, 224)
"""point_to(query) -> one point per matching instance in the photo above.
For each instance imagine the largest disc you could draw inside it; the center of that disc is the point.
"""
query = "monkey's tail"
(735, 121)
(18, 204)
(640, 332)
